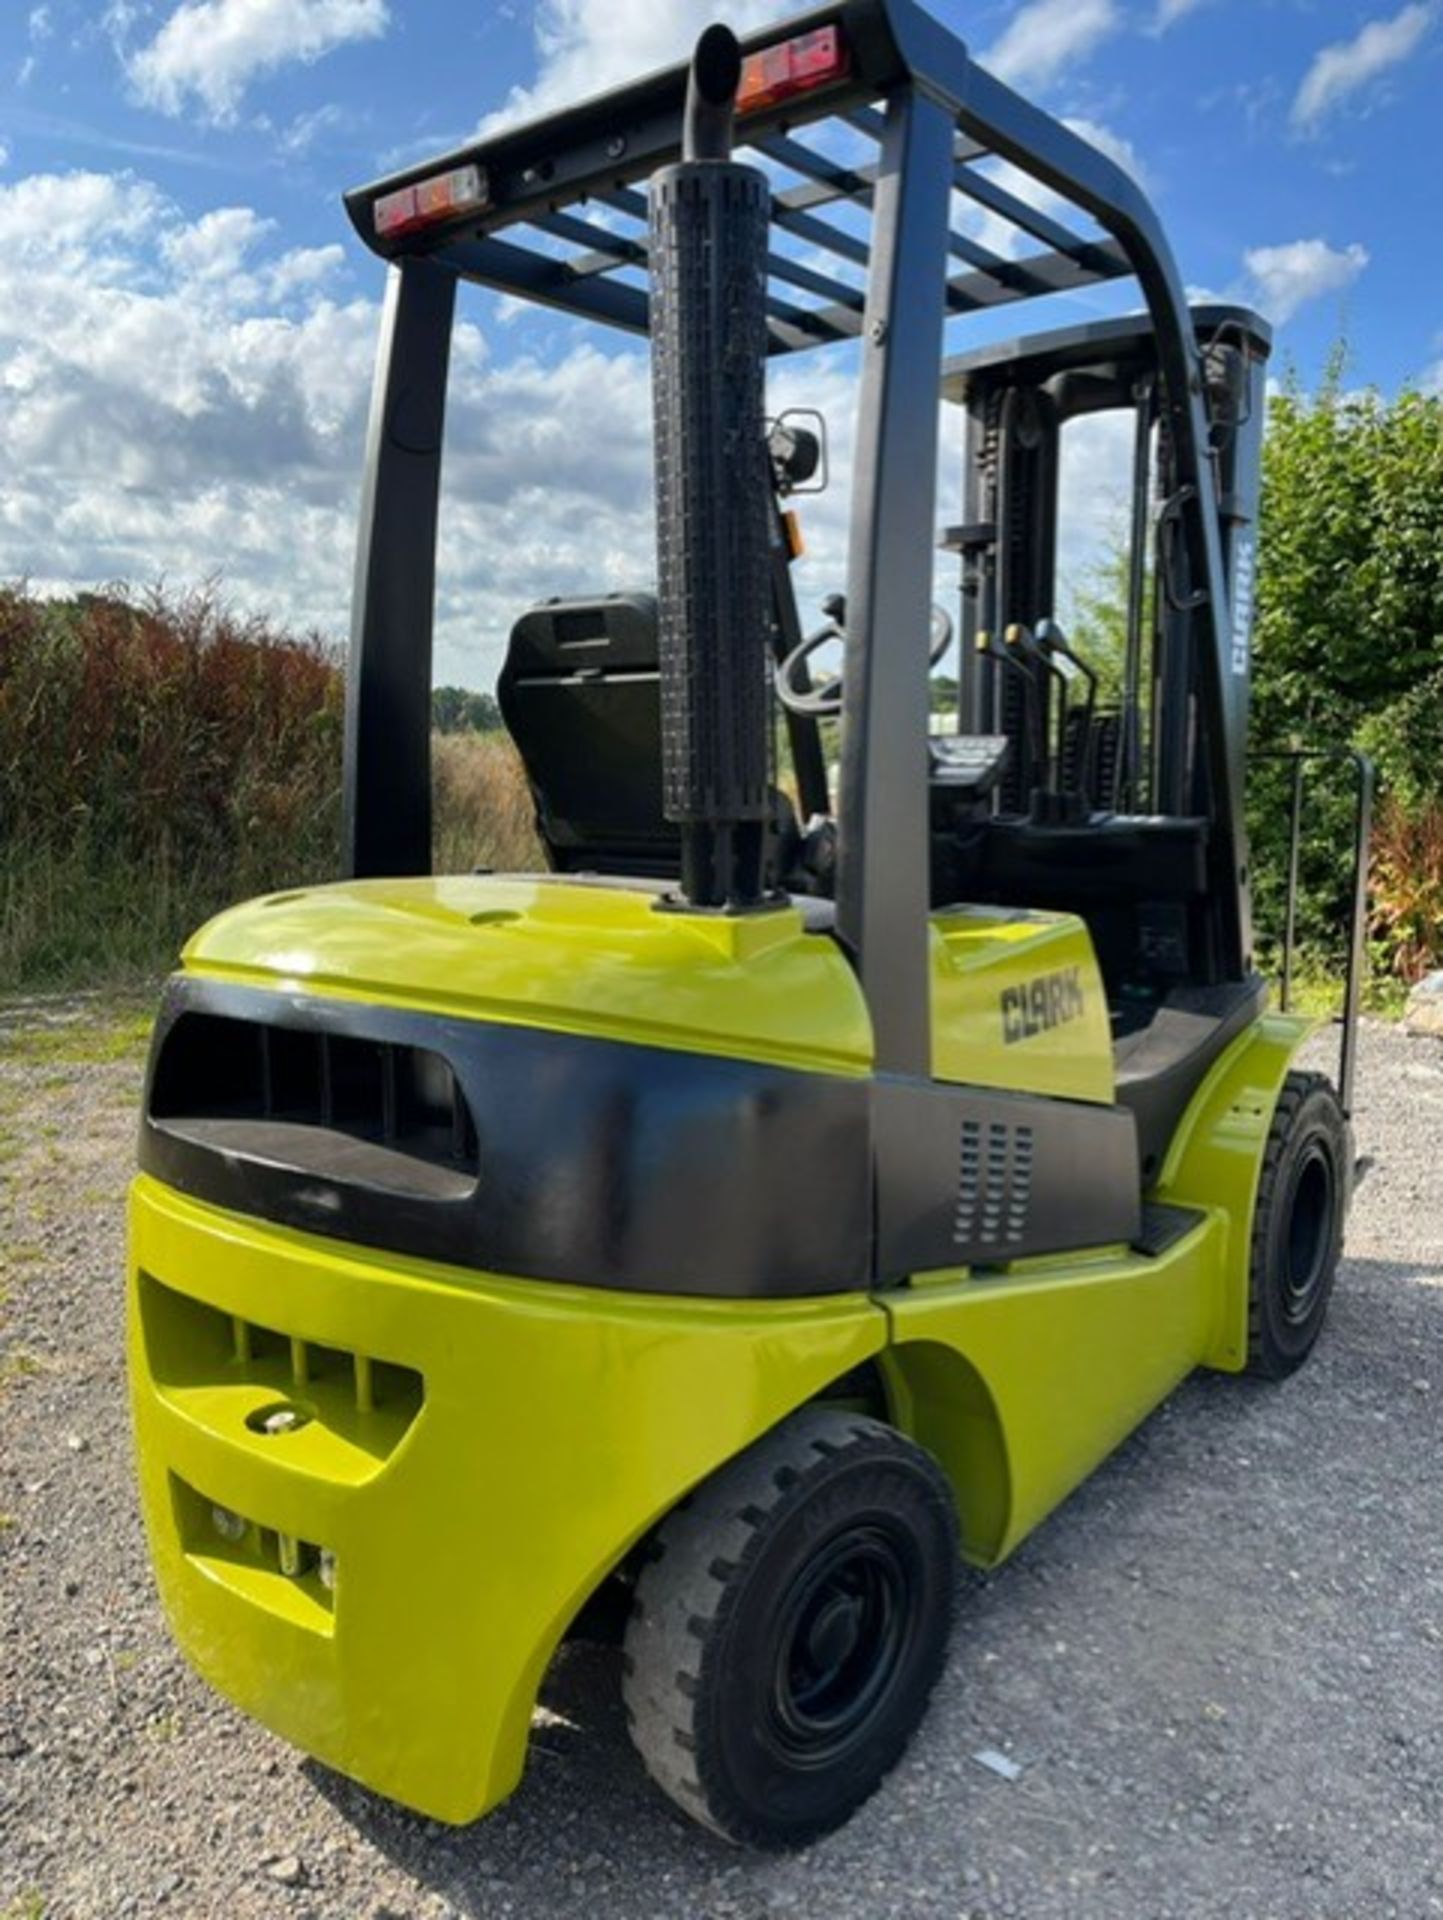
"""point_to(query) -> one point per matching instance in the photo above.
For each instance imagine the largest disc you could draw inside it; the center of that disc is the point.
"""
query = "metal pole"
(1358, 930)
(1124, 781)
(884, 882)
(387, 769)
(804, 737)
(1290, 905)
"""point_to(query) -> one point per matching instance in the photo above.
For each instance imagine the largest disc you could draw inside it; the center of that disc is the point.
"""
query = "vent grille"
(253, 1088)
(994, 1185)
(296, 1577)
(199, 1354)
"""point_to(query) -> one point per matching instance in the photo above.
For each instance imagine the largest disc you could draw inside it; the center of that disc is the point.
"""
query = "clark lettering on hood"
(1038, 1006)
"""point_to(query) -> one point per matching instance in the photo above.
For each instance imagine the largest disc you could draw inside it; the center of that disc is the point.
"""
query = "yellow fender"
(1022, 1381)
(523, 1438)
(1216, 1160)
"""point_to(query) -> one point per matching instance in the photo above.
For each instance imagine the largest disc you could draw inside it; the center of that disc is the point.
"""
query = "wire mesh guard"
(589, 255)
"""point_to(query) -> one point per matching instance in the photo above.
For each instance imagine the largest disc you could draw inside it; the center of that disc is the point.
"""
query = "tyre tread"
(1298, 1088)
(684, 1589)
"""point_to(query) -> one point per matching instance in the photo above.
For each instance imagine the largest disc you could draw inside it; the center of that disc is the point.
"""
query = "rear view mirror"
(798, 452)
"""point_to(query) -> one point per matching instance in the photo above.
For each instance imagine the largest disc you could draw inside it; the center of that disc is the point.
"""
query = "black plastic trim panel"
(1163, 1226)
(598, 1162)
(1161, 1067)
(644, 1169)
(967, 1176)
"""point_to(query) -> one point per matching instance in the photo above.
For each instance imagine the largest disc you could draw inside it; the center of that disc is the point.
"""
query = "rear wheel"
(1298, 1226)
(790, 1628)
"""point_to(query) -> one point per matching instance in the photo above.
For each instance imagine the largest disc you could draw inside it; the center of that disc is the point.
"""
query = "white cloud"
(1115, 145)
(1045, 36)
(1344, 68)
(303, 267)
(120, 17)
(211, 50)
(4, 153)
(72, 213)
(307, 128)
(1094, 497)
(1284, 278)
(214, 247)
(1169, 12)
(184, 397)
(40, 25)
(585, 46)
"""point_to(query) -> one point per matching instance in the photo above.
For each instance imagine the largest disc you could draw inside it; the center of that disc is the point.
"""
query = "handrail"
(1299, 758)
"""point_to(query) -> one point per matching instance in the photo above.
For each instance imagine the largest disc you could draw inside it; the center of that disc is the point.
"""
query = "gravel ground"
(1220, 1666)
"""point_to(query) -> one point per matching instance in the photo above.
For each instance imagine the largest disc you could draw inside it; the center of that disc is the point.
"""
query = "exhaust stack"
(709, 223)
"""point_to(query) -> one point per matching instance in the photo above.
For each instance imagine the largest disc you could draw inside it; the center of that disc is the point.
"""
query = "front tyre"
(791, 1626)
(1298, 1225)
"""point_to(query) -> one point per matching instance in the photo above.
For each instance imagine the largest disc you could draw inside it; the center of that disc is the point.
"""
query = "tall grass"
(483, 809)
(157, 758)
(162, 758)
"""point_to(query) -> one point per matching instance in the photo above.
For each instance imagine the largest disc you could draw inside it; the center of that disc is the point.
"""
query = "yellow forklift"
(813, 1174)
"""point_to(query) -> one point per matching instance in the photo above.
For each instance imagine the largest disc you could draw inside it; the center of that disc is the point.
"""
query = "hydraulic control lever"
(1052, 642)
(1011, 661)
(1020, 641)
(1052, 801)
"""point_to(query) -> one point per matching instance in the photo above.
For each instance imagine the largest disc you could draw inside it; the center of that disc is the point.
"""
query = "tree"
(1350, 591)
(460, 710)
(1349, 638)
(1098, 626)
(1349, 642)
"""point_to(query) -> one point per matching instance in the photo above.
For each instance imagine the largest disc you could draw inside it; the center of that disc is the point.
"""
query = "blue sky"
(186, 324)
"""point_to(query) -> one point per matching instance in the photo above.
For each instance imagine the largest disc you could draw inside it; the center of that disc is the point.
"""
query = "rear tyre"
(791, 1626)
(1298, 1225)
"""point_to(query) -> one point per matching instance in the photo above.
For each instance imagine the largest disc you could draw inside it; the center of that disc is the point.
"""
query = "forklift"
(810, 1177)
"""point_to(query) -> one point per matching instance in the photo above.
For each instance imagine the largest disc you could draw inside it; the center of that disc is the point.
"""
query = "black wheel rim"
(843, 1631)
(1308, 1240)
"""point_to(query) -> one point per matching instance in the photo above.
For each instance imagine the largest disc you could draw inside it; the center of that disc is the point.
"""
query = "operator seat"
(580, 693)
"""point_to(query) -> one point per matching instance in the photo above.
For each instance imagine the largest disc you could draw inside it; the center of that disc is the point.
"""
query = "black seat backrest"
(581, 695)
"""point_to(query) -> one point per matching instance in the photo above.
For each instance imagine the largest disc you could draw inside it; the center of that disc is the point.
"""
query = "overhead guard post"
(387, 764)
(883, 885)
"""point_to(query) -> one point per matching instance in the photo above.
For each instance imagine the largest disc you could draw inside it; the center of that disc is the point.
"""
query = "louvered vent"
(994, 1185)
(394, 1116)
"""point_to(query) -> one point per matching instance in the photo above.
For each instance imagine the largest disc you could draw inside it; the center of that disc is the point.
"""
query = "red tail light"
(440, 198)
(794, 66)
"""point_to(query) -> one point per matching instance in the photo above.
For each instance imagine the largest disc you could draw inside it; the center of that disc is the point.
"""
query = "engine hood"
(556, 954)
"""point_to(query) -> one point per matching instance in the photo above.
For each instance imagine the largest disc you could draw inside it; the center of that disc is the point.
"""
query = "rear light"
(794, 66)
(440, 198)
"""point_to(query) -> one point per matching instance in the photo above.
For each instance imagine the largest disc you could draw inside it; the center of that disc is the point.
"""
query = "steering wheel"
(824, 700)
